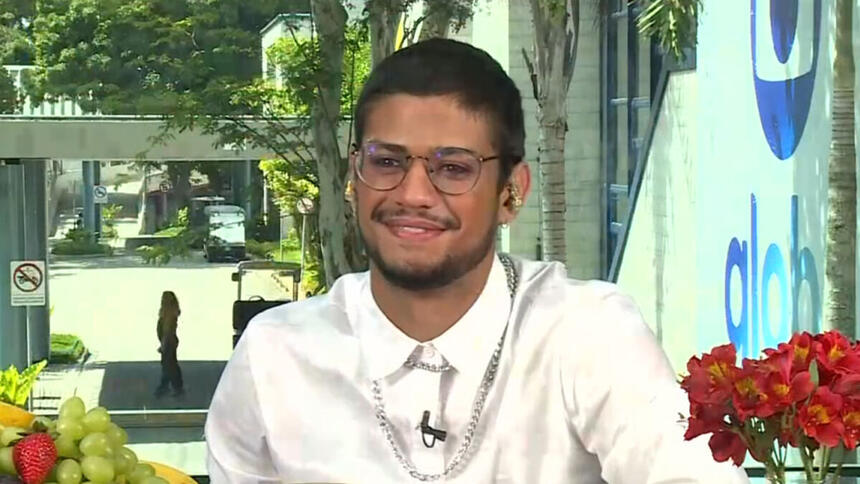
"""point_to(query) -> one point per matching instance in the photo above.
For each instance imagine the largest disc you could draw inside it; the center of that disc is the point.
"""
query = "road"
(112, 305)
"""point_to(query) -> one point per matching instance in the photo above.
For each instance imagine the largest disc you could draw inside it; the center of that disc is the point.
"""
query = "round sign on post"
(100, 194)
(305, 206)
(27, 283)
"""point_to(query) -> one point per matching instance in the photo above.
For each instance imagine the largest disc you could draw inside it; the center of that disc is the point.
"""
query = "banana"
(171, 475)
(12, 416)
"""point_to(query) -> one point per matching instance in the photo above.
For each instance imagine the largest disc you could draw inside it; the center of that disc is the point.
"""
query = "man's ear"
(515, 193)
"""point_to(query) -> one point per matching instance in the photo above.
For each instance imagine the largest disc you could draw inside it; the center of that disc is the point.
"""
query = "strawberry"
(34, 456)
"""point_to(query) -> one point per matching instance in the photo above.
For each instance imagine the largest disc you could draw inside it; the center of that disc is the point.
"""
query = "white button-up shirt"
(583, 392)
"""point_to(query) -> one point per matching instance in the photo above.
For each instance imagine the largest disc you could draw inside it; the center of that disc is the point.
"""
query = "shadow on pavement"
(130, 385)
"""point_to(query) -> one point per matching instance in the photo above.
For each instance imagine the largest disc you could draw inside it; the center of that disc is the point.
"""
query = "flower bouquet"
(805, 394)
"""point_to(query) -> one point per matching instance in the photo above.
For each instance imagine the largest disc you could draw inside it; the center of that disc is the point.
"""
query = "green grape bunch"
(90, 448)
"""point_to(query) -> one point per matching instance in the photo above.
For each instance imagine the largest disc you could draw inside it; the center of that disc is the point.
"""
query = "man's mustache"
(383, 215)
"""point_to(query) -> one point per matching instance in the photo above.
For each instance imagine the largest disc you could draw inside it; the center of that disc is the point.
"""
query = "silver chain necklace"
(477, 406)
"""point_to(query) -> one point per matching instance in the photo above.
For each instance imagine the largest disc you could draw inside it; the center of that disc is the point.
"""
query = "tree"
(556, 35)
(299, 122)
(16, 47)
(437, 18)
(142, 56)
(841, 245)
(8, 93)
(150, 56)
(16, 43)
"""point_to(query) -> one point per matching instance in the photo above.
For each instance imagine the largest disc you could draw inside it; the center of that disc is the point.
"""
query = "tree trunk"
(556, 34)
(337, 236)
(384, 17)
(842, 184)
(179, 174)
(551, 166)
(437, 21)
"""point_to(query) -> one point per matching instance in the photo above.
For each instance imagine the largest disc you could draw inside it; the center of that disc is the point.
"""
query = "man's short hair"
(447, 67)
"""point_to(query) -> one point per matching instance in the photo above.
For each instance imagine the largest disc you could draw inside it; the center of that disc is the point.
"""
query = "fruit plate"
(12, 417)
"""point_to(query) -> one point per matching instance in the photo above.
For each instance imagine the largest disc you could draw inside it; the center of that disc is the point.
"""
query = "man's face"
(416, 236)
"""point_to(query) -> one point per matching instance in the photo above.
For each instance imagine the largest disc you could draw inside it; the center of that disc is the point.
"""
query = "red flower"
(710, 378)
(821, 419)
(748, 396)
(835, 356)
(804, 351)
(851, 421)
(726, 445)
(847, 385)
(783, 387)
(706, 419)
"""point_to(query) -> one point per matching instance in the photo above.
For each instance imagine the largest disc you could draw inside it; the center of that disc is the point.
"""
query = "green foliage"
(109, 214)
(66, 348)
(297, 58)
(260, 250)
(156, 255)
(8, 93)
(15, 387)
(16, 43)
(80, 242)
(148, 56)
(671, 22)
(181, 238)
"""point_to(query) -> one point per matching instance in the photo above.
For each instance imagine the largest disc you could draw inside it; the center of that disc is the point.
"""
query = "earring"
(349, 195)
(516, 199)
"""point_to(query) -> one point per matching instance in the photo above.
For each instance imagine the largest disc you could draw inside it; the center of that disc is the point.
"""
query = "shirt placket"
(426, 387)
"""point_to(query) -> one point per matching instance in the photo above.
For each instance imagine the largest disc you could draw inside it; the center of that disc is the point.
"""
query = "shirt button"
(430, 351)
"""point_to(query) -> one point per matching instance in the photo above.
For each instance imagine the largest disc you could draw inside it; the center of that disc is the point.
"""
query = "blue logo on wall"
(783, 104)
(752, 331)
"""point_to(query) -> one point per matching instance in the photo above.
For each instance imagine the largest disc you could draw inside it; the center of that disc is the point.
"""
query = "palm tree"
(842, 184)
(556, 35)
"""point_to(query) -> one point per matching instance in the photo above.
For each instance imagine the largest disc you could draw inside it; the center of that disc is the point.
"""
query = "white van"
(225, 233)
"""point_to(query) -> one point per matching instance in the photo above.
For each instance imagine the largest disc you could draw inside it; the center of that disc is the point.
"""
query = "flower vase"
(774, 477)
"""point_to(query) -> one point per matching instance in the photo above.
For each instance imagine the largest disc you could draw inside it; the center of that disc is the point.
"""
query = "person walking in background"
(168, 318)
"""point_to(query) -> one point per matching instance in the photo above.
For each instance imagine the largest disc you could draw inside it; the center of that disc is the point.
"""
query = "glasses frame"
(359, 152)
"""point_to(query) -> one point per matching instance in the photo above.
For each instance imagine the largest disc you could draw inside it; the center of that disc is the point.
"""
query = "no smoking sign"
(28, 283)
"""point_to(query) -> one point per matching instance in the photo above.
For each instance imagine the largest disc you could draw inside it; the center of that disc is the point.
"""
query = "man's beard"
(452, 267)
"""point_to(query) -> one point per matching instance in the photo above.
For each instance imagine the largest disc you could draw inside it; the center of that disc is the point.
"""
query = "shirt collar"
(385, 347)
(467, 345)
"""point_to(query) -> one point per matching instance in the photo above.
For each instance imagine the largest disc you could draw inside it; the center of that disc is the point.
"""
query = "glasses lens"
(381, 168)
(454, 171)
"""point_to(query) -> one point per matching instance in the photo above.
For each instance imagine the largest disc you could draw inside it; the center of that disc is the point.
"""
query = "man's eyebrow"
(402, 149)
(388, 146)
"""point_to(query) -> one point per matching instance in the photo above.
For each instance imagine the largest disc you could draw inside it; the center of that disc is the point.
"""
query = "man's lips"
(413, 228)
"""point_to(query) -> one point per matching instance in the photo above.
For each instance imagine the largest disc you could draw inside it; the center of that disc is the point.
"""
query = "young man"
(447, 361)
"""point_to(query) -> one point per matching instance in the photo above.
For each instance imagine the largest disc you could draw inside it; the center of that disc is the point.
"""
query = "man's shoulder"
(587, 306)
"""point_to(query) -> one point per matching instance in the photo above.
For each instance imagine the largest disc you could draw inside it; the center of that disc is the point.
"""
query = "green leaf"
(26, 382)
(813, 373)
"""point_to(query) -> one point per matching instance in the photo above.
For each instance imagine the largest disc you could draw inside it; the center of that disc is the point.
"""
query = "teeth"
(414, 230)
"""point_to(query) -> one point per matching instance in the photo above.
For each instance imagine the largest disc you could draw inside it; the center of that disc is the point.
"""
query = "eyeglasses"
(453, 171)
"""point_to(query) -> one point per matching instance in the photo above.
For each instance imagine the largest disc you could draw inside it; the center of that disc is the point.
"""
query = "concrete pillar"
(97, 208)
(35, 230)
(248, 191)
(87, 179)
(13, 320)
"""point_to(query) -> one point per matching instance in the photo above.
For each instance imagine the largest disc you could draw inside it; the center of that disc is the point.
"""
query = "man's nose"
(417, 189)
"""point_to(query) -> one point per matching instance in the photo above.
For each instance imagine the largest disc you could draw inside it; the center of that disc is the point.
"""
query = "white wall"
(718, 158)
(660, 257)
